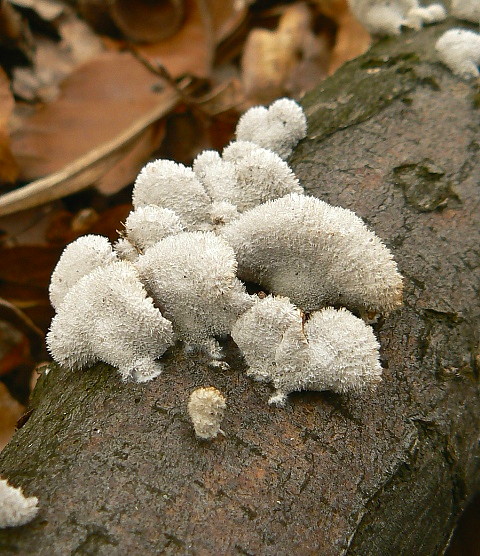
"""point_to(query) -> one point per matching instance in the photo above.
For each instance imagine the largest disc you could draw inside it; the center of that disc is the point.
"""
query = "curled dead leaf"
(9, 169)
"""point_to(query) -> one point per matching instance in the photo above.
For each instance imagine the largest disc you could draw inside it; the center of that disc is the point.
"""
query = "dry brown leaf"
(98, 102)
(24, 278)
(112, 96)
(285, 61)
(48, 10)
(226, 17)
(10, 413)
(8, 166)
(191, 49)
(351, 40)
(14, 347)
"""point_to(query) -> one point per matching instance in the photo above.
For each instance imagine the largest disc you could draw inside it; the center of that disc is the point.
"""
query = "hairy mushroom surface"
(315, 254)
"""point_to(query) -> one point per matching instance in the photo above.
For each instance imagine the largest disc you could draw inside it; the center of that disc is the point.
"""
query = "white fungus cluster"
(387, 17)
(206, 407)
(332, 350)
(459, 49)
(469, 10)
(194, 234)
(15, 508)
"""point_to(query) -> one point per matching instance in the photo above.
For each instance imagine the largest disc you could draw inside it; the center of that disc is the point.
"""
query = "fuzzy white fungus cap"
(125, 250)
(261, 175)
(174, 186)
(386, 17)
(206, 407)
(246, 176)
(217, 176)
(333, 350)
(459, 49)
(315, 254)
(192, 277)
(466, 9)
(15, 508)
(78, 259)
(259, 331)
(107, 316)
(278, 128)
(147, 225)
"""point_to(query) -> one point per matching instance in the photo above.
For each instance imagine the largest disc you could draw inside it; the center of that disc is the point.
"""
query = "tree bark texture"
(393, 136)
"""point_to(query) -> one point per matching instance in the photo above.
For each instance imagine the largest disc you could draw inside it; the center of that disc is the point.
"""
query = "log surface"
(117, 468)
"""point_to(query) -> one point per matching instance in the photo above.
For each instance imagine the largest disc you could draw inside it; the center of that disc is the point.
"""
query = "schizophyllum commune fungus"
(278, 128)
(332, 350)
(15, 508)
(206, 407)
(315, 254)
(78, 259)
(166, 184)
(192, 277)
(459, 49)
(387, 17)
(194, 234)
(108, 316)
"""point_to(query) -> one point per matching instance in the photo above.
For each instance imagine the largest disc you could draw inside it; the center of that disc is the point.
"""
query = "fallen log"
(393, 135)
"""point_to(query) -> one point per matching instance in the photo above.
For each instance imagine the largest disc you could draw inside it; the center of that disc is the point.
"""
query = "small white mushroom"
(15, 508)
(459, 49)
(174, 186)
(78, 259)
(278, 128)
(217, 176)
(259, 331)
(315, 254)
(107, 316)
(468, 10)
(144, 227)
(191, 277)
(333, 350)
(206, 407)
(386, 17)
(261, 175)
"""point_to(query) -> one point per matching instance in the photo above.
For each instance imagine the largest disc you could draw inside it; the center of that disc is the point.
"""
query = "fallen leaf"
(98, 102)
(351, 40)
(191, 49)
(288, 60)
(14, 347)
(94, 107)
(8, 166)
(10, 412)
(147, 21)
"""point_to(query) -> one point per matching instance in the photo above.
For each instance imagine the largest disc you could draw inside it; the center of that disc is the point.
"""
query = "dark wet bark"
(393, 136)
